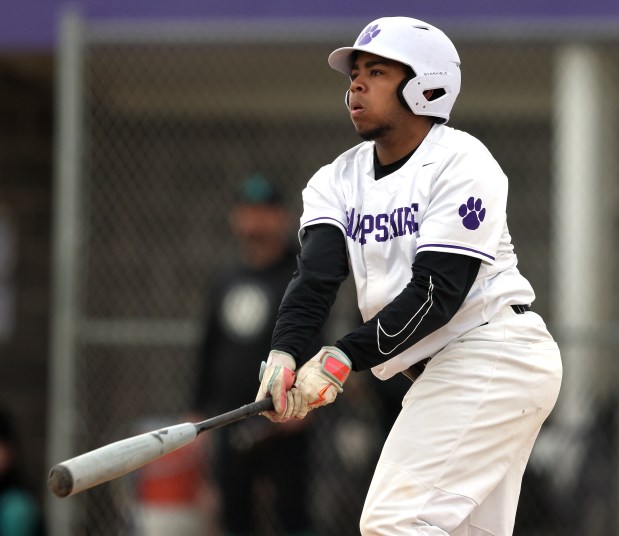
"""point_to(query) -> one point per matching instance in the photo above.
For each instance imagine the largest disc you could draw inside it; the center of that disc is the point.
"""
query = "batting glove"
(318, 382)
(276, 378)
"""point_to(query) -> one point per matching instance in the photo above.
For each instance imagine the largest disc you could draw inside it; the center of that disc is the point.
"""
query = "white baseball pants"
(454, 459)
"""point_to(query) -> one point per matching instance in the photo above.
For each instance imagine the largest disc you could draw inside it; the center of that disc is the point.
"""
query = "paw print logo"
(471, 213)
(368, 34)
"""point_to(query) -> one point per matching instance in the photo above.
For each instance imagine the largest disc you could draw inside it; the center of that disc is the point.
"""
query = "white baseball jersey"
(450, 196)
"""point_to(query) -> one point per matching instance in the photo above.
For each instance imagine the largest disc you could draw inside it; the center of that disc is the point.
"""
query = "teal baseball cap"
(257, 189)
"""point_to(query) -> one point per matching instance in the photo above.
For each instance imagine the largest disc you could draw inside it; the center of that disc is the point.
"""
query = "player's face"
(373, 103)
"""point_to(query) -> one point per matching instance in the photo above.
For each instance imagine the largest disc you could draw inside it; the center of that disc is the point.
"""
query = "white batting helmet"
(424, 48)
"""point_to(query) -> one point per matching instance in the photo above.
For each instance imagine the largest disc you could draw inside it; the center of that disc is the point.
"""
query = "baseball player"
(417, 212)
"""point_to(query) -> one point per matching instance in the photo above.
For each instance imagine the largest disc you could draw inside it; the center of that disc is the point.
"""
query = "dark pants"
(264, 486)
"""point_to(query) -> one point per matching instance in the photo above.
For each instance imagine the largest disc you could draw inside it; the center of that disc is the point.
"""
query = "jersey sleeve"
(467, 210)
(323, 202)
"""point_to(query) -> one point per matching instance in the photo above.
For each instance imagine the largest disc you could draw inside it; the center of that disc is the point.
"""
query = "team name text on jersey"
(385, 226)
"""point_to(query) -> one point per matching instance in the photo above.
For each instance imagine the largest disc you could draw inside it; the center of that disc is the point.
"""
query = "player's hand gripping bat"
(119, 458)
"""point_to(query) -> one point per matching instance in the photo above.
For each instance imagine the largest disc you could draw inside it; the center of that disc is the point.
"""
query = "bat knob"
(60, 481)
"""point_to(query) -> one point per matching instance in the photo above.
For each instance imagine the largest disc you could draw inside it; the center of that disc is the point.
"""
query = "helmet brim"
(341, 59)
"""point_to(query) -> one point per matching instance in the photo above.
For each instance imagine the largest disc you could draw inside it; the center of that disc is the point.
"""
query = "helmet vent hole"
(422, 28)
(437, 94)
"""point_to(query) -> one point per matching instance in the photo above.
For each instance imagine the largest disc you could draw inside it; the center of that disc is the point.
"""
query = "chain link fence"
(170, 118)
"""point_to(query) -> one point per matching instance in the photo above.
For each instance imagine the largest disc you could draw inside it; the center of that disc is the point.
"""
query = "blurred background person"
(259, 493)
(20, 513)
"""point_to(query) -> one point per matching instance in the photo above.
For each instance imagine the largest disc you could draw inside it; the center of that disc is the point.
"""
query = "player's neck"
(397, 144)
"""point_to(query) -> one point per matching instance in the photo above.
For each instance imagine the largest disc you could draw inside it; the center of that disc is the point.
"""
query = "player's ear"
(433, 94)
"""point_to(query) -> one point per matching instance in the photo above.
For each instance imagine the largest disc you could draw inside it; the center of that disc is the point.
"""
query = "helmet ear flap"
(400, 91)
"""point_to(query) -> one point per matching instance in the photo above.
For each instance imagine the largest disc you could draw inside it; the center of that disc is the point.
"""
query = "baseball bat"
(117, 459)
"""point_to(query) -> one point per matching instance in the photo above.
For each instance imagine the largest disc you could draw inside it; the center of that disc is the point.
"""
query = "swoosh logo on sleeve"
(399, 338)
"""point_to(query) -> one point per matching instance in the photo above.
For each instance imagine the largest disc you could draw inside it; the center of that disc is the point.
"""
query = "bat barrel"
(60, 481)
(117, 459)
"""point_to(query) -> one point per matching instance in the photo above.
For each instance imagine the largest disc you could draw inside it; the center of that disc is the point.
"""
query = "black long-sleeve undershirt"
(322, 266)
(436, 291)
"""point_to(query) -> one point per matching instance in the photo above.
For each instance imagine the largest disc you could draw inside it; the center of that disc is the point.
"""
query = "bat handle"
(248, 410)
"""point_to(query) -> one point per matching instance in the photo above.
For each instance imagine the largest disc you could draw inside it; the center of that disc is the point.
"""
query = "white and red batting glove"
(276, 378)
(318, 382)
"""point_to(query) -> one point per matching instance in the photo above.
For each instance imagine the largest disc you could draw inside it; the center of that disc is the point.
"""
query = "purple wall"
(32, 23)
